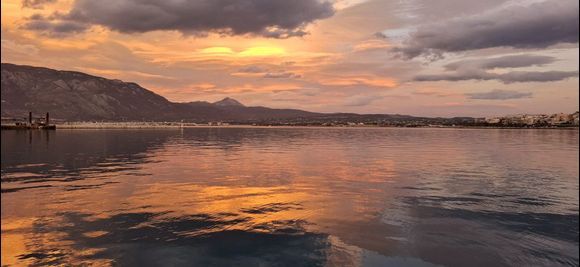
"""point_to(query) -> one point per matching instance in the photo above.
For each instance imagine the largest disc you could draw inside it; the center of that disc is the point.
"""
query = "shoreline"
(170, 125)
(161, 125)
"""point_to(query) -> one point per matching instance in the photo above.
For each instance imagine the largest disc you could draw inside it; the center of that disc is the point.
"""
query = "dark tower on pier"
(30, 117)
(47, 119)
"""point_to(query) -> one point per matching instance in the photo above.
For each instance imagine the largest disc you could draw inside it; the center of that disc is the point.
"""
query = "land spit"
(177, 125)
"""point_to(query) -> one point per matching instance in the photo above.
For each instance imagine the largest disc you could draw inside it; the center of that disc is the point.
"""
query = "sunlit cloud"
(217, 50)
(371, 45)
(360, 81)
(262, 51)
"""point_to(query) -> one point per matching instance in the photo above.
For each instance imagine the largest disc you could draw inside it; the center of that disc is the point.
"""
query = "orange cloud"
(360, 81)
(371, 45)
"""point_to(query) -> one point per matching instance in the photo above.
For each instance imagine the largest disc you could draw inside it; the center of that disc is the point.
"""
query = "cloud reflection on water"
(416, 197)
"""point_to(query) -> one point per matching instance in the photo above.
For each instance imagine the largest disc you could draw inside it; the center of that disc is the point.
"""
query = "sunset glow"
(341, 52)
(352, 133)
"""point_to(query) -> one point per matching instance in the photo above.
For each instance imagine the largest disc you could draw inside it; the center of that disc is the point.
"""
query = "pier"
(40, 123)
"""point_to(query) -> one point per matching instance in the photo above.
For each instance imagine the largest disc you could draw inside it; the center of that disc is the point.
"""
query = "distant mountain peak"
(228, 102)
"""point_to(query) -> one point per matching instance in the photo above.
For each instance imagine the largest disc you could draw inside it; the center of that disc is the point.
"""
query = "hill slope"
(72, 95)
(76, 96)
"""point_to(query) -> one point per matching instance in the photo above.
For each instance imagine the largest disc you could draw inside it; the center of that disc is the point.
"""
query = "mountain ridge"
(77, 96)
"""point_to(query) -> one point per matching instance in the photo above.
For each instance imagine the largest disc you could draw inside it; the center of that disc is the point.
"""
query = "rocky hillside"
(76, 96)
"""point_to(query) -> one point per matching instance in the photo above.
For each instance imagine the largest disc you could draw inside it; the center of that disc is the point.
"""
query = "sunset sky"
(417, 57)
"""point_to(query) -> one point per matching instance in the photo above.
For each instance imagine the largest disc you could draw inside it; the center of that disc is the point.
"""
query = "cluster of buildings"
(558, 119)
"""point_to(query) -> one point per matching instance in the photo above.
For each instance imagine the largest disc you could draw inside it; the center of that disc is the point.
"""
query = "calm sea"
(290, 197)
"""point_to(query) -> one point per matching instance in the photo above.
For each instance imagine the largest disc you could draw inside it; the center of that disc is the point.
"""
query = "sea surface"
(290, 197)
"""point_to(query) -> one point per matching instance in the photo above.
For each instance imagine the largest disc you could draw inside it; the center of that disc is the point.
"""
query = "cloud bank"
(510, 77)
(537, 25)
(499, 95)
(281, 75)
(478, 69)
(36, 4)
(54, 28)
(266, 18)
(512, 61)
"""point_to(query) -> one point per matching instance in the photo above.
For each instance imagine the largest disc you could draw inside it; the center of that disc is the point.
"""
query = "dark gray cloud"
(513, 61)
(499, 94)
(57, 28)
(536, 76)
(477, 69)
(379, 35)
(268, 18)
(36, 4)
(509, 77)
(537, 25)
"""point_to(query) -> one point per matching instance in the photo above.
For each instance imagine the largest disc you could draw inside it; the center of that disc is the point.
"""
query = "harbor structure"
(29, 123)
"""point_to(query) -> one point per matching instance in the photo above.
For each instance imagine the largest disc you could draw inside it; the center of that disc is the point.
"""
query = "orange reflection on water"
(330, 196)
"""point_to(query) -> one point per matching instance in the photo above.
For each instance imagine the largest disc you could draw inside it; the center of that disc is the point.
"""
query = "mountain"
(76, 96)
(228, 102)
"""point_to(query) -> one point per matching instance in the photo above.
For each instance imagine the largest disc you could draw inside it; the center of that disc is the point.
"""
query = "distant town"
(535, 120)
(558, 120)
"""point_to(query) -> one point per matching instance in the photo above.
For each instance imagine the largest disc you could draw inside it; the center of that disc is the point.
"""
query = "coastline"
(164, 125)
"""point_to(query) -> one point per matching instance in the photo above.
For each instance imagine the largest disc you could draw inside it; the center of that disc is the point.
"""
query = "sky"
(416, 57)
